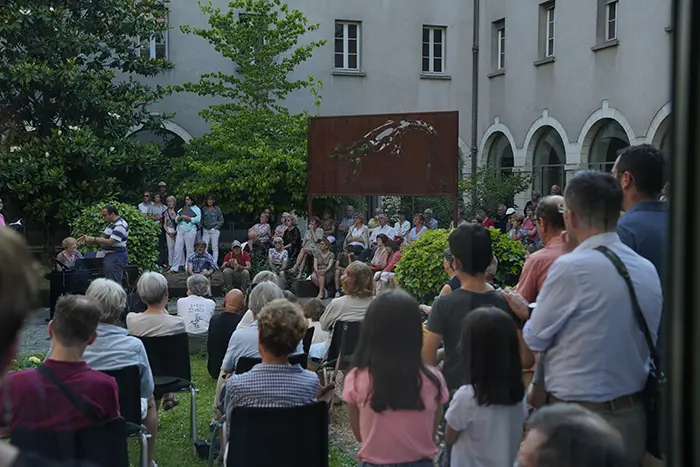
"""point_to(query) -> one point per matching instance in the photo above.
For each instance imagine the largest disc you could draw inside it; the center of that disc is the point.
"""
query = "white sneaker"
(154, 464)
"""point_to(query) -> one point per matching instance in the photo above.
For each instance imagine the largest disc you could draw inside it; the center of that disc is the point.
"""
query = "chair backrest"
(129, 384)
(346, 335)
(244, 364)
(169, 355)
(299, 435)
(102, 444)
(308, 337)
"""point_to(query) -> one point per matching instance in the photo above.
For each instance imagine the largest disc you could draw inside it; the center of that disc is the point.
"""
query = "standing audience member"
(485, 220)
(534, 200)
(163, 190)
(152, 287)
(502, 218)
(448, 266)
(430, 221)
(112, 243)
(221, 327)
(402, 227)
(470, 245)
(115, 349)
(263, 228)
(236, 267)
(517, 232)
(324, 263)
(157, 209)
(37, 402)
(212, 221)
(187, 220)
(358, 287)
(280, 326)
(196, 311)
(145, 206)
(494, 397)
(201, 262)
(550, 223)
(530, 225)
(395, 400)
(2, 217)
(65, 260)
(569, 435)
(358, 235)
(555, 191)
(170, 228)
(328, 226)
(309, 246)
(313, 310)
(417, 229)
(596, 354)
(292, 238)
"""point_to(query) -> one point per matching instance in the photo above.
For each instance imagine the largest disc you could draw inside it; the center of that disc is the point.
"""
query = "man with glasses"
(113, 243)
(145, 205)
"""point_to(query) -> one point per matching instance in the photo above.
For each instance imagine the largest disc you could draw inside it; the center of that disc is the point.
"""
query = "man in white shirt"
(594, 351)
(402, 226)
(145, 205)
(196, 311)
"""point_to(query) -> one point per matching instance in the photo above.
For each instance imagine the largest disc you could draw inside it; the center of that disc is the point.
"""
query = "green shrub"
(510, 255)
(420, 271)
(142, 244)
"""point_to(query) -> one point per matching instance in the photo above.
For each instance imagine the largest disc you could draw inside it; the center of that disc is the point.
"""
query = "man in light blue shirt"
(594, 351)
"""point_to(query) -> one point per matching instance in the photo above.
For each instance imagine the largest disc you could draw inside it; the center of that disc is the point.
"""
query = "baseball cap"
(235, 244)
(510, 211)
(162, 184)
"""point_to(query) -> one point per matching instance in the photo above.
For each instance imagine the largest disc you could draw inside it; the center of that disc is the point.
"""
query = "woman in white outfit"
(170, 227)
(187, 219)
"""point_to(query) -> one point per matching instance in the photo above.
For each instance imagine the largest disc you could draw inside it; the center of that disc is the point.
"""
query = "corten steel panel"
(392, 154)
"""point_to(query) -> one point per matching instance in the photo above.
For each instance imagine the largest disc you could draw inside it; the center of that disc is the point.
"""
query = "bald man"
(221, 327)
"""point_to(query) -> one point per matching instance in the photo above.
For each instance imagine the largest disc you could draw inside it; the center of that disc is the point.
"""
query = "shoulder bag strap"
(80, 403)
(622, 270)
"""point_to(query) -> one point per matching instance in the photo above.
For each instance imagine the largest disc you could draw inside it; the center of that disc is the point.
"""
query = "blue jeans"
(114, 265)
(420, 463)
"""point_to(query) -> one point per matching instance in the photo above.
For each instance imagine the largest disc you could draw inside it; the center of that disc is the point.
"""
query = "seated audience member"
(470, 245)
(201, 261)
(494, 400)
(309, 246)
(115, 349)
(313, 310)
(324, 260)
(569, 435)
(381, 254)
(262, 276)
(401, 228)
(344, 260)
(278, 261)
(289, 295)
(221, 327)
(430, 221)
(417, 230)
(279, 230)
(328, 226)
(236, 267)
(65, 260)
(292, 238)
(382, 228)
(359, 288)
(394, 252)
(395, 401)
(152, 287)
(281, 326)
(357, 238)
(37, 402)
(196, 311)
(263, 228)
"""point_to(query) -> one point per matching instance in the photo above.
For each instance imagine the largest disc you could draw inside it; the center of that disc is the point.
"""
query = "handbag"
(651, 394)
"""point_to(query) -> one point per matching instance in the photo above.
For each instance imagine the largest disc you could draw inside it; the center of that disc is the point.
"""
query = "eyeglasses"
(278, 243)
(146, 196)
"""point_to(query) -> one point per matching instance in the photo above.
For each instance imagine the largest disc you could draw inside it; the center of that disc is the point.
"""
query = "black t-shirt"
(502, 223)
(221, 327)
(454, 283)
(445, 319)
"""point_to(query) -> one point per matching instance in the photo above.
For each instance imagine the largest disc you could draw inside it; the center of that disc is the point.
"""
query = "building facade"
(563, 85)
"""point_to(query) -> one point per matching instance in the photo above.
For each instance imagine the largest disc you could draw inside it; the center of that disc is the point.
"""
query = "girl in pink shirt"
(395, 401)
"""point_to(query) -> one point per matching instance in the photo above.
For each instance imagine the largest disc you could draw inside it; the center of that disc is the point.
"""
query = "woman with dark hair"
(494, 400)
(309, 246)
(381, 253)
(186, 233)
(417, 229)
(395, 401)
(212, 221)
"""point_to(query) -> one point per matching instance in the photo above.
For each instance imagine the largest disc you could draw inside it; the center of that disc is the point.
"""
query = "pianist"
(65, 260)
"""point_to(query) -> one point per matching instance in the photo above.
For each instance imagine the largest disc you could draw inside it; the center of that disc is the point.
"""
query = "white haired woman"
(196, 311)
(278, 259)
(263, 228)
(65, 260)
(279, 230)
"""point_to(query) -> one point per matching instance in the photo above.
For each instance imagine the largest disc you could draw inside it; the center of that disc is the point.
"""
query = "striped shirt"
(118, 231)
(267, 385)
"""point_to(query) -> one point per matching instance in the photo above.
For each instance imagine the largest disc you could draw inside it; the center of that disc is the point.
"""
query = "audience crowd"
(551, 372)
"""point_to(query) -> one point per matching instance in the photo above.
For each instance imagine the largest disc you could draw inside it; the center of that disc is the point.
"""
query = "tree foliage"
(70, 99)
(493, 188)
(255, 153)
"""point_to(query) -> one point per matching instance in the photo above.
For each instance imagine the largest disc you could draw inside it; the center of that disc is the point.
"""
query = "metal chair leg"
(193, 414)
(211, 445)
(143, 439)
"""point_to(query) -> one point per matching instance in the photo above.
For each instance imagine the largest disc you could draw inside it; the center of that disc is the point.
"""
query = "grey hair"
(263, 294)
(152, 287)
(293, 218)
(493, 267)
(198, 285)
(265, 276)
(278, 239)
(111, 297)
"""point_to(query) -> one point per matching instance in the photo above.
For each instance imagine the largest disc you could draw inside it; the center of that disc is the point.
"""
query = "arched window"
(549, 160)
(500, 156)
(170, 143)
(609, 139)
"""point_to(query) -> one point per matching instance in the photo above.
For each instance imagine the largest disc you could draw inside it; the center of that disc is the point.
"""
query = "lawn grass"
(174, 447)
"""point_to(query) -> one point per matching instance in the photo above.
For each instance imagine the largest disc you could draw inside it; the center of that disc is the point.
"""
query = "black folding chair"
(245, 364)
(346, 335)
(129, 384)
(299, 436)
(169, 357)
(308, 337)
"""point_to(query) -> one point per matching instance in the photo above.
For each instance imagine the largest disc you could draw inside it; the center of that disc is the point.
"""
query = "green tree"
(255, 153)
(493, 188)
(70, 98)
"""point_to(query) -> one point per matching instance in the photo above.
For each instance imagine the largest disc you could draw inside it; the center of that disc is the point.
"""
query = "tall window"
(347, 45)
(501, 45)
(611, 20)
(433, 49)
(549, 31)
(155, 47)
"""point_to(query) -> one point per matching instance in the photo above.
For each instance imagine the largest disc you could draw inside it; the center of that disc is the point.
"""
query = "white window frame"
(151, 44)
(609, 7)
(346, 45)
(431, 50)
(549, 35)
(501, 47)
